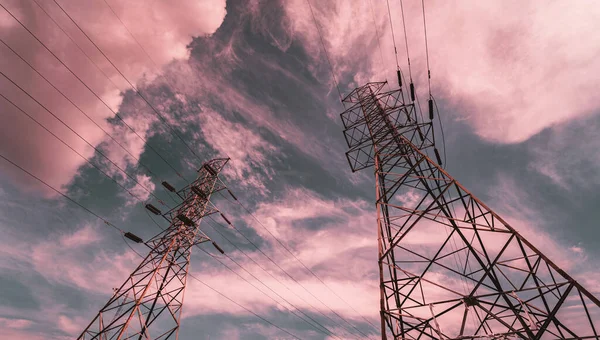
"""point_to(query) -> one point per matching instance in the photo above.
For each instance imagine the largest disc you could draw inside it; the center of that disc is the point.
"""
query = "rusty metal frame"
(450, 267)
(149, 303)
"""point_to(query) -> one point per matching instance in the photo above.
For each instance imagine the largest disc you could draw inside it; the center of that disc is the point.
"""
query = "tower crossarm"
(450, 267)
(149, 303)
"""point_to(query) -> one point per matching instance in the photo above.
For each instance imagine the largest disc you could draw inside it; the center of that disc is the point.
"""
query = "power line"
(266, 271)
(123, 232)
(284, 271)
(325, 50)
(239, 305)
(405, 39)
(253, 276)
(80, 110)
(144, 50)
(165, 122)
(131, 34)
(310, 271)
(62, 194)
(378, 37)
(81, 137)
(241, 277)
(426, 48)
(116, 87)
(429, 82)
(281, 297)
(393, 36)
(77, 45)
(70, 147)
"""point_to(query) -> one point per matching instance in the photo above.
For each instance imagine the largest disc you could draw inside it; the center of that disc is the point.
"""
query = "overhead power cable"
(82, 138)
(241, 306)
(76, 45)
(327, 331)
(80, 110)
(426, 48)
(285, 272)
(310, 271)
(405, 39)
(139, 44)
(116, 87)
(325, 51)
(70, 147)
(123, 233)
(62, 194)
(378, 37)
(240, 276)
(266, 271)
(250, 283)
(393, 35)
(162, 118)
(429, 84)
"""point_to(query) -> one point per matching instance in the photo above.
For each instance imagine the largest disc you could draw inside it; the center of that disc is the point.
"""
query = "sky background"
(516, 84)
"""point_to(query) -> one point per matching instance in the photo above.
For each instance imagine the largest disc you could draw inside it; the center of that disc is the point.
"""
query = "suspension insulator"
(133, 237)
(437, 155)
(168, 186)
(412, 92)
(153, 209)
(232, 195)
(198, 192)
(430, 109)
(210, 169)
(225, 218)
(185, 220)
(399, 78)
(217, 247)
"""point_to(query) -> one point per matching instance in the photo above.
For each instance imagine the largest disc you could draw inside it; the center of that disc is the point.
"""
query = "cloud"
(72, 259)
(510, 70)
(513, 204)
(163, 30)
(142, 190)
(560, 154)
(323, 233)
(247, 149)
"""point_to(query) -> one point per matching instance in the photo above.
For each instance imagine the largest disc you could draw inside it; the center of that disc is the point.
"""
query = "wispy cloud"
(504, 66)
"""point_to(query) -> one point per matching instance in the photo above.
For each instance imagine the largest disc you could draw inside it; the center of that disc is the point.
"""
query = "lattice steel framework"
(148, 304)
(450, 267)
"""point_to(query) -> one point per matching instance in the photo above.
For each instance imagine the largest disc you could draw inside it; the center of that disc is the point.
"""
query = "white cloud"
(247, 149)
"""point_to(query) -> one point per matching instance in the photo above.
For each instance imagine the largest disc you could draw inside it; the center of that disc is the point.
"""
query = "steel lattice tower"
(450, 267)
(148, 304)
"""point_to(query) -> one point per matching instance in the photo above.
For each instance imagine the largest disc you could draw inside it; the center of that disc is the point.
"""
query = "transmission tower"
(148, 304)
(450, 267)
